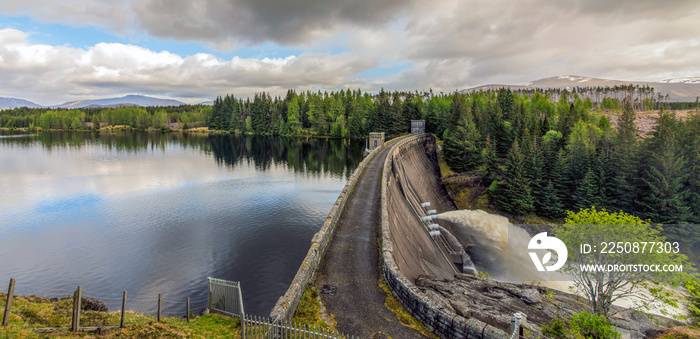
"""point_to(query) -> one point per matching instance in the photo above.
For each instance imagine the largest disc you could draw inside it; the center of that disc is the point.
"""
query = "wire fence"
(59, 312)
(76, 310)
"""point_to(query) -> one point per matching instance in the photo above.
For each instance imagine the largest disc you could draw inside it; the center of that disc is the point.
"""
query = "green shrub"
(581, 326)
(557, 329)
(593, 326)
(694, 300)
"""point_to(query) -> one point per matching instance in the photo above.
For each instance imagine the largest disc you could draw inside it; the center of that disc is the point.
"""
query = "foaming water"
(500, 248)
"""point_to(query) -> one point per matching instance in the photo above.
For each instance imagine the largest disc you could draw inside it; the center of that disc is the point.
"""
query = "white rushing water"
(503, 248)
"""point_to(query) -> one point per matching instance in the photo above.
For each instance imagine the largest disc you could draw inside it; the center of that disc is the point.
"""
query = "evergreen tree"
(501, 130)
(665, 193)
(217, 111)
(550, 201)
(461, 138)
(588, 192)
(489, 156)
(399, 124)
(514, 194)
(549, 204)
(293, 118)
(624, 159)
(664, 198)
(378, 121)
(505, 99)
(691, 141)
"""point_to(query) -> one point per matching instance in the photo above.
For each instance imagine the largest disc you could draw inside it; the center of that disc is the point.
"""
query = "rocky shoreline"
(494, 303)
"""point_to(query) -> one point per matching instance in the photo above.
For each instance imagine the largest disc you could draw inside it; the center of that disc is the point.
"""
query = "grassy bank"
(30, 314)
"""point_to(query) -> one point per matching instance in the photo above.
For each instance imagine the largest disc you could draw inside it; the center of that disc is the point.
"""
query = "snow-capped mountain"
(689, 80)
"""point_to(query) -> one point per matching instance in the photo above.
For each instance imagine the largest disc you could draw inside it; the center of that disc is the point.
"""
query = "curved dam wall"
(289, 302)
(409, 177)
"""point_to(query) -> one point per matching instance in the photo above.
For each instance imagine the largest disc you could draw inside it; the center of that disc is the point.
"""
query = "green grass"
(30, 313)
(309, 311)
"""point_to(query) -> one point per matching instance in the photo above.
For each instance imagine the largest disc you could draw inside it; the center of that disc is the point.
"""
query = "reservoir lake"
(152, 213)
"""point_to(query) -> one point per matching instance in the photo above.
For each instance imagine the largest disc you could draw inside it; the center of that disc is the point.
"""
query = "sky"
(62, 50)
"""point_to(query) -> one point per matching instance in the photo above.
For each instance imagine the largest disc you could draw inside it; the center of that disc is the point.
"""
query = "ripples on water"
(159, 213)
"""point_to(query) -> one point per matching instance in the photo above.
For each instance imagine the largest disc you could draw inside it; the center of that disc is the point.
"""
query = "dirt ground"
(646, 120)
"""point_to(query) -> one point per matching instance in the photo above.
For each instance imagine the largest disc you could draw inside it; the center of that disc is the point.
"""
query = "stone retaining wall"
(442, 322)
(288, 303)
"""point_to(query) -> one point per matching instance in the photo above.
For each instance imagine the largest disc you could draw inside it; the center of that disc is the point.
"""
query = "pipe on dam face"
(428, 218)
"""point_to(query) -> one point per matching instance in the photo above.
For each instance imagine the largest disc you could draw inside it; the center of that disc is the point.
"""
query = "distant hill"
(9, 103)
(681, 89)
(129, 100)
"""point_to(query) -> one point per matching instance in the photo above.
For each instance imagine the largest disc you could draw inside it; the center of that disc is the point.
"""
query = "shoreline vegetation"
(38, 317)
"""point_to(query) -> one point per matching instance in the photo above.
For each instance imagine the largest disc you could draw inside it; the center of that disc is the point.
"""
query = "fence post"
(8, 304)
(121, 322)
(75, 327)
(188, 309)
(159, 299)
(209, 303)
(242, 326)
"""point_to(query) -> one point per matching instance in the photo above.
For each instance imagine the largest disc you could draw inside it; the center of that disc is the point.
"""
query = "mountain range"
(125, 101)
(680, 89)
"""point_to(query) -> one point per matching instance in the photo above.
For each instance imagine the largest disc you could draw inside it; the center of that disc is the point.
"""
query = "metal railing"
(516, 323)
(225, 297)
(265, 328)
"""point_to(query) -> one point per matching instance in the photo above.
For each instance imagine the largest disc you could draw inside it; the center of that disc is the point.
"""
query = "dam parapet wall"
(288, 303)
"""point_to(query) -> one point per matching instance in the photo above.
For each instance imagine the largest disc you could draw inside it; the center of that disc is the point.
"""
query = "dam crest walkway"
(349, 275)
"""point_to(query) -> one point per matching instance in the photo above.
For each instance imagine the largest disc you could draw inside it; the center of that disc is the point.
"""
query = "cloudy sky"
(62, 50)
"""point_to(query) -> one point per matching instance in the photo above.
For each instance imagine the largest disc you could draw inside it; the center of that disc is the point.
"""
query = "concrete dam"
(381, 225)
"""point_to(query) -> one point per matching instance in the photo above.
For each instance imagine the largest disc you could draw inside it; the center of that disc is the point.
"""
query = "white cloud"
(52, 74)
(450, 45)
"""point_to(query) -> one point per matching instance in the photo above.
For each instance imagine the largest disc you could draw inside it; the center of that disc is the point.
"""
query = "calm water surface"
(159, 213)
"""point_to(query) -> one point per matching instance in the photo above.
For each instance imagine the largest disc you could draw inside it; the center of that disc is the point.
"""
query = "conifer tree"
(550, 201)
(293, 118)
(513, 194)
(665, 194)
(664, 198)
(549, 204)
(501, 129)
(624, 159)
(489, 156)
(461, 138)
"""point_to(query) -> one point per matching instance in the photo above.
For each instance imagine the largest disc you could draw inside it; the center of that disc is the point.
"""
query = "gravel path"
(348, 277)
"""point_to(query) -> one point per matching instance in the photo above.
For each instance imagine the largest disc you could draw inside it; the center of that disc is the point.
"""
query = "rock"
(530, 296)
(461, 307)
(433, 283)
(466, 277)
(89, 304)
(439, 301)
